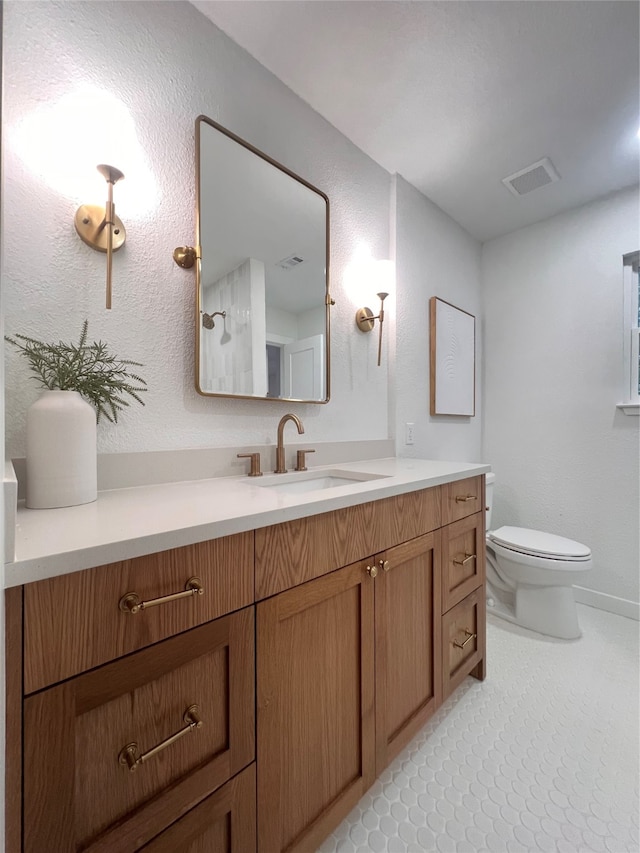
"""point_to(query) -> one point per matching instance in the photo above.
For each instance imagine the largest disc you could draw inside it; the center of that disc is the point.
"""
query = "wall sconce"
(99, 227)
(365, 321)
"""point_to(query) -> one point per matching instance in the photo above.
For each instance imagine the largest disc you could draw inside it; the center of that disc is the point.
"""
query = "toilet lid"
(539, 544)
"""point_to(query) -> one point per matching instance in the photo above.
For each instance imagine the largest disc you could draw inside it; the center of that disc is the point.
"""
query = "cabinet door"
(297, 551)
(223, 823)
(315, 716)
(462, 498)
(463, 559)
(73, 623)
(464, 641)
(79, 790)
(408, 657)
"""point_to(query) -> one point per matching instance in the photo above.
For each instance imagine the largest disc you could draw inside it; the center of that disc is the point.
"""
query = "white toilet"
(530, 576)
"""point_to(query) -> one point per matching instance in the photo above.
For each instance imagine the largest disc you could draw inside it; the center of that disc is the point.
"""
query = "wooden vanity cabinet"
(463, 559)
(100, 686)
(366, 619)
(407, 642)
(80, 793)
(463, 641)
(223, 823)
(76, 621)
(463, 588)
(297, 551)
(315, 707)
(462, 498)
(352, 661)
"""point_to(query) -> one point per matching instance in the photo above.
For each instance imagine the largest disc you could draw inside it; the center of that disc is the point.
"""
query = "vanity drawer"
(463, 559)
(463, 639)
(79, 790)
(462, 498)
(297, 551)
(74, 622)
(223, 823)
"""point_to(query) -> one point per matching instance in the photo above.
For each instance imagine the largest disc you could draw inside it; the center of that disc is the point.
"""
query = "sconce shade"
(110, 173)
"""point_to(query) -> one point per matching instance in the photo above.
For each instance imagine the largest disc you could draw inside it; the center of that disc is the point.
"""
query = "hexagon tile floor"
(541, 756)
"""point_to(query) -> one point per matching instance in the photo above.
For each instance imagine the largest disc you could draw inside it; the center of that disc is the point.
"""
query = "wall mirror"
(262, 304)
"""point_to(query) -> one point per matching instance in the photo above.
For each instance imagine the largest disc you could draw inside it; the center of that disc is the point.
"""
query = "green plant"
(90, 369)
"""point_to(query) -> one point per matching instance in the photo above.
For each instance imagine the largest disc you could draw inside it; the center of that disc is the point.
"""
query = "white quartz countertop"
(131, 522)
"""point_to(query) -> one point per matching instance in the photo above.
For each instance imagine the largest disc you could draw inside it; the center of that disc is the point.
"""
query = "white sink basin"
(299, 482)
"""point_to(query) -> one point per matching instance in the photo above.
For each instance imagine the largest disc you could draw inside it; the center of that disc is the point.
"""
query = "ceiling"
(455, 96)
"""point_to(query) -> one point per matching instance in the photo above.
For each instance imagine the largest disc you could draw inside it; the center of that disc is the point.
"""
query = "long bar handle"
(129, 757)
(109, 214)
(462, 499)
(467, 559)
(470, 637)
(112, 176)
(380, 317)
(130, 602)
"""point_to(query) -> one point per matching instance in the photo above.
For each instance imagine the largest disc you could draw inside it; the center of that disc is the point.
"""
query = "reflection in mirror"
(262, 327)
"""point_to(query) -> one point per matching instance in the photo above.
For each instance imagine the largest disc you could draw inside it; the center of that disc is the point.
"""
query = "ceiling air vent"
(290, 262)
(534, 176)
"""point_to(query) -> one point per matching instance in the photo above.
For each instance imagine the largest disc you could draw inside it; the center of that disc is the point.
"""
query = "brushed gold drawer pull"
(372, 571)
(467, 559)
(385, 565)
(461, 499)
(129, 757)
(461, 645)
(130, 602)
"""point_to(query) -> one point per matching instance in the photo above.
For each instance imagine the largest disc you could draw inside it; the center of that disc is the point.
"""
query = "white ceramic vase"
(61, 451)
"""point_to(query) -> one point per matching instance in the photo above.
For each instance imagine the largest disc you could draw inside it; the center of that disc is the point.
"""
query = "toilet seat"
(538, 544)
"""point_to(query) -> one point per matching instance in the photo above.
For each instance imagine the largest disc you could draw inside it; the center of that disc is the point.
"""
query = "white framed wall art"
(452, 369)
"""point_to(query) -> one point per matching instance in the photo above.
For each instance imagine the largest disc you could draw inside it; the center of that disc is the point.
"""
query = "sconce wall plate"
(365, 320)
(89, 221)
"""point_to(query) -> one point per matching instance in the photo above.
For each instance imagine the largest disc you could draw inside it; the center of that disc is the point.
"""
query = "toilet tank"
(488, 497)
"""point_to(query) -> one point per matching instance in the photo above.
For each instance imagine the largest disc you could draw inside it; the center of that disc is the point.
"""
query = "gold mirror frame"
(186, 255)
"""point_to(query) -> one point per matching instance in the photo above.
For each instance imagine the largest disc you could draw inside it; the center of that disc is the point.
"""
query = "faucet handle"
(255, 463)
(301, 461)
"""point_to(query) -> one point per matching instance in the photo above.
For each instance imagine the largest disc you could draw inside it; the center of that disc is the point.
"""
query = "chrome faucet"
(280, 467)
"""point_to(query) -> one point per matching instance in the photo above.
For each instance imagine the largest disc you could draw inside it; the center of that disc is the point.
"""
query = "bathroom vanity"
(237, 675)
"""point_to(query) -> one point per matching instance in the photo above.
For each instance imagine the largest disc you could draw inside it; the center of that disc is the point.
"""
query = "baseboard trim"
(621, 606)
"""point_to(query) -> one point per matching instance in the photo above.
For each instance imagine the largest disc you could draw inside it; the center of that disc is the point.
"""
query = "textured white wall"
(2, 532)
(434, 257)
(566, 460)
(2, 505)
(168, 64)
